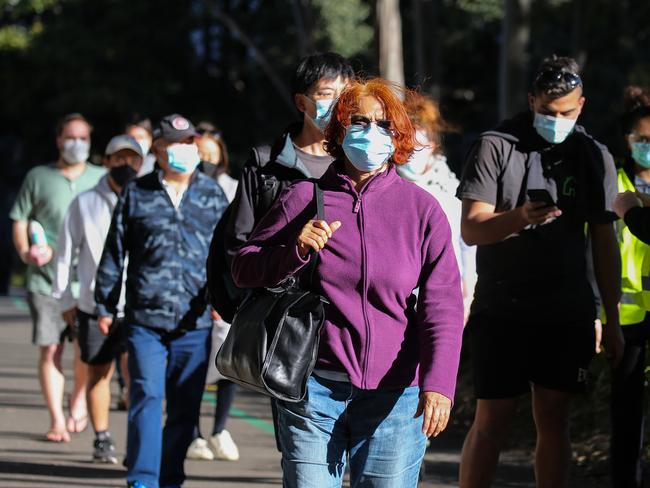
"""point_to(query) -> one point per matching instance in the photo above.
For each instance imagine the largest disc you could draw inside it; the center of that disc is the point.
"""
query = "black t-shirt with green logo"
(541, 271)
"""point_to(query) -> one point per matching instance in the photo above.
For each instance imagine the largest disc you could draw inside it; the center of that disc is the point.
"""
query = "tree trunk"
(513, 66)
(389, 21)
(418, 42)
(435, 27)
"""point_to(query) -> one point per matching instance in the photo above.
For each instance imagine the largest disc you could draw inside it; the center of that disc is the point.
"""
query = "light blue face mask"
(183, 158)
(367, 148)
(641, 153)
(323, 113)
(553, 129)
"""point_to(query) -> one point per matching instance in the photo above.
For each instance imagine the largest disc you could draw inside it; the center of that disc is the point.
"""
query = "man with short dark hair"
(529, 189)
(298, 154)
(164, 222)
(42, 203)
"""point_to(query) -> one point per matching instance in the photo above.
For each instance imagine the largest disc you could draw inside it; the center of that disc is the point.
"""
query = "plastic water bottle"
(36, 233)
(39, 251)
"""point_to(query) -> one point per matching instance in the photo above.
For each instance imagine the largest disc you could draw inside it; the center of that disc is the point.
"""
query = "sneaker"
(136, 484)
(104, 451)
(199, 450)
(224, 447)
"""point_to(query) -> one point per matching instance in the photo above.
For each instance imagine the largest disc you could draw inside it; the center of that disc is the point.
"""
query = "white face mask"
(420, 159)
(75, 151)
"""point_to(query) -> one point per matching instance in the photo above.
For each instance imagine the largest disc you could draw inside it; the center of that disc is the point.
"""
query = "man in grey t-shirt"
(529, 190)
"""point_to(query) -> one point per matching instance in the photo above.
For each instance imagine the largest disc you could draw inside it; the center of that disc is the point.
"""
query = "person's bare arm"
(607, 268)
(481, 225)
(21, 241)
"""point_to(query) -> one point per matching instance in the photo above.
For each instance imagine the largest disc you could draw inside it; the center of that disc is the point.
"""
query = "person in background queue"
(37, 215)
(80, 246)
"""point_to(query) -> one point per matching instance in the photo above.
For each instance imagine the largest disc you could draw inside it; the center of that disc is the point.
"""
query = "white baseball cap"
(123, 141)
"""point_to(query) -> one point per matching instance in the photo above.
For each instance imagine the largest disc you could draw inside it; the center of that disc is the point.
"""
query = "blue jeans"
(376, 427)
(163, 365)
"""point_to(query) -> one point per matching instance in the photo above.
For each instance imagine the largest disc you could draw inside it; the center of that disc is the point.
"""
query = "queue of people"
(407, 254)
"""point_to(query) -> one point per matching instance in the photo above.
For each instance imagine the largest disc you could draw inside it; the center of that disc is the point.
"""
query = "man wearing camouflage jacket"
(164, 221)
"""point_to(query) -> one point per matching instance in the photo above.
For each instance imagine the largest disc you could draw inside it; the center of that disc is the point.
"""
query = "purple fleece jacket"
(394, 237)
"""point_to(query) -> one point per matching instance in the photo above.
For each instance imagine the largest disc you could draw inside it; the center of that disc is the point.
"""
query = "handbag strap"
(320, 215)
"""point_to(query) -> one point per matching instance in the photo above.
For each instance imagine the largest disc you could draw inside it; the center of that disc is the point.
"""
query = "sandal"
(56, 435)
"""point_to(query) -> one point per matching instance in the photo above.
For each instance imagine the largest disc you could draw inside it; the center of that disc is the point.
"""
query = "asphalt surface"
(27, 460)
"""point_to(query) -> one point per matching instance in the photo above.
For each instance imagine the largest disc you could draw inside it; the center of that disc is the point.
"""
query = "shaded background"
(230, 61)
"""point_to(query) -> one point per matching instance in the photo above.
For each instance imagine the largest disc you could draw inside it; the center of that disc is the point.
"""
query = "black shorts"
(96, 348)
(507, 356)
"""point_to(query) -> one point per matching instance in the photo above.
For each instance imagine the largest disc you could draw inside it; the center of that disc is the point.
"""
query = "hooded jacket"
(394, 238)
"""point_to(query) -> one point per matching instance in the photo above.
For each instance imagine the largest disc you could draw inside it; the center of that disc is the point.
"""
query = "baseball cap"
(175, 128)
(123, 141)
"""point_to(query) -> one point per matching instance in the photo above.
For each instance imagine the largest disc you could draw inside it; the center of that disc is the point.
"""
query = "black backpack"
(222, 293)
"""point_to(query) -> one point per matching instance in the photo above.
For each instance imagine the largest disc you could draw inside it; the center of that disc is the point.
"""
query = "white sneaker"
(199, 450)
(223, 447)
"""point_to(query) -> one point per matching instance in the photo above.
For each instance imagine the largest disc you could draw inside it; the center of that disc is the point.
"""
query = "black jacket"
(261, 182)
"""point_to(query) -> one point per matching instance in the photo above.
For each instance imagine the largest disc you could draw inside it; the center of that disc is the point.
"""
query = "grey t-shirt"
(540, 271)
(316, 165)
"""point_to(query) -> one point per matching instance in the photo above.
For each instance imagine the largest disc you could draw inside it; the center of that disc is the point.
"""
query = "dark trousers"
(627, 408)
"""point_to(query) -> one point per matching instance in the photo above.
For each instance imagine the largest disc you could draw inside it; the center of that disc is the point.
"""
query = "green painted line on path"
(240, 414)
(20, 304)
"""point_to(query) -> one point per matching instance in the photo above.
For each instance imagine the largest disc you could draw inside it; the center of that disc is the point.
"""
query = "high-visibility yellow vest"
(635, 267)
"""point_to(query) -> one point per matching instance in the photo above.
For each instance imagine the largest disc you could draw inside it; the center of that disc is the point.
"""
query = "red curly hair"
(394, 110)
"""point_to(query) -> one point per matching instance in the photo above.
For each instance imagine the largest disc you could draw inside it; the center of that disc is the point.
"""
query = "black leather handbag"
(272, 344)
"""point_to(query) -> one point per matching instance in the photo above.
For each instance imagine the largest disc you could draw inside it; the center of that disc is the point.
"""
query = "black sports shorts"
(96, 348)
(509, 355)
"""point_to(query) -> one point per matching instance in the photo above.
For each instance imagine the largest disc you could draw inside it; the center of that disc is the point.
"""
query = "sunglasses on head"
(549, 78)
(201, 131)
(363, 121)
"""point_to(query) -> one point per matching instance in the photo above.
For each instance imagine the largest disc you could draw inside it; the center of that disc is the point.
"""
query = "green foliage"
(344, 24)
(487, 10)
(14, 37)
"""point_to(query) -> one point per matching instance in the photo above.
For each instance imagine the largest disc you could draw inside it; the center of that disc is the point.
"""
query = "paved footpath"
(26, 460)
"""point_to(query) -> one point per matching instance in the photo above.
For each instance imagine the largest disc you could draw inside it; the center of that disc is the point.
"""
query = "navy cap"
(174, 128)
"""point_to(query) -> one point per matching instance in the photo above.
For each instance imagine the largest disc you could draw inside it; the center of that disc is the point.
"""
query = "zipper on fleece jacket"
(364, 297)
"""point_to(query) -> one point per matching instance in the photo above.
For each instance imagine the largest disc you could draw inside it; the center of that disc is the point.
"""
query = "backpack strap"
(262, 155)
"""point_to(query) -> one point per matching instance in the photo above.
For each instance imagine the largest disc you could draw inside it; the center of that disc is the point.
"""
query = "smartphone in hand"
(541, 195)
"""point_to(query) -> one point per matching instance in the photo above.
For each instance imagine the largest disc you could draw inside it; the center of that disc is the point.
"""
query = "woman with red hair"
(382, 361)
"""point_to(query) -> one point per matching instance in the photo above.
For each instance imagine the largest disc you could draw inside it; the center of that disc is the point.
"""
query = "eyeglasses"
(550, 78)
(364, 122)
(639, 138)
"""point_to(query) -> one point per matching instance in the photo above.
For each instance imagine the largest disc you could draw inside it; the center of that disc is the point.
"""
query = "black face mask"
(212, 170)
(122, 174)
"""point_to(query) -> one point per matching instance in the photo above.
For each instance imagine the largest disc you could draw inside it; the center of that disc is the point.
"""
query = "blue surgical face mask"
(367, 148)
(641, 153)
(323, 113)
(553, 129)
(183, 158)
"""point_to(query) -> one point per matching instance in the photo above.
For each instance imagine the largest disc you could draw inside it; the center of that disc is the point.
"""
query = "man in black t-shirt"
(532, 191)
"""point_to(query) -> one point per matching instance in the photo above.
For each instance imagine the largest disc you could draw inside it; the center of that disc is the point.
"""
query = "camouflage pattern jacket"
(167, 249)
